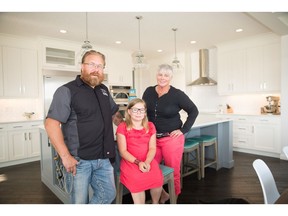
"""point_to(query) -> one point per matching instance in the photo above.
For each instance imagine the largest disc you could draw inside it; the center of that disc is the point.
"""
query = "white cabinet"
(20, 72)
(59, 55)
(263, 68)
(242, 132)
(231, 67)
(257, 134)
(249, 65)
(3, 143)
(267, 134)
(20, 142)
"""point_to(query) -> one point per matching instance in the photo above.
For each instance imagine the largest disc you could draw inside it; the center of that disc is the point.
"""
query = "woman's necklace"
(162, 91)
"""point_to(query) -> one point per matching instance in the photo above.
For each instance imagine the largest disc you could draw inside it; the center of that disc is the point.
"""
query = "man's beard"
(92, 79)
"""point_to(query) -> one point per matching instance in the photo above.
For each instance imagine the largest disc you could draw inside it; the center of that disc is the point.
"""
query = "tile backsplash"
(14, 109)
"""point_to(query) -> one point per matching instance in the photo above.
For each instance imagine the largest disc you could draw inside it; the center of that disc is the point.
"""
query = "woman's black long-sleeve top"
(164, 111)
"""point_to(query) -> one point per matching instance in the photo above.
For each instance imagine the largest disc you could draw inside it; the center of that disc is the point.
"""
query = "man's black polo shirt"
(77, 106)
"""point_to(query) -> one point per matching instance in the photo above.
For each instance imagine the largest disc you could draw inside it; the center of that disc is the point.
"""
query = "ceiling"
(207, 28)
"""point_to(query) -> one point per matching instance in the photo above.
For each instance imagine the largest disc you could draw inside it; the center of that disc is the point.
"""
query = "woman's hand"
(176, 133)
(144, 167)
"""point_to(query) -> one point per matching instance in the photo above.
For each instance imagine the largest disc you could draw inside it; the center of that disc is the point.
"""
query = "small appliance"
(273, 106)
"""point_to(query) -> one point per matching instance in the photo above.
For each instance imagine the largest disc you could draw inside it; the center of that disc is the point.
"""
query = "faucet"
(28, 114)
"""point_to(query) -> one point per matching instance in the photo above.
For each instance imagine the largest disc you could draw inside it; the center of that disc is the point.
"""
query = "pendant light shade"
(86, 46)
(139, 59)
(176, 63)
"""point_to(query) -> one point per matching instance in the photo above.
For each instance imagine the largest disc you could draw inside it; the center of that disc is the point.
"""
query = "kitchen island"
(219, 127)
(222, 129)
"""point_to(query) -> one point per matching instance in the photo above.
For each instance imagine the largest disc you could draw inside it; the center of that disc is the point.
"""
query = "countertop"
(11, 121)
(206, 120)
(239, 114)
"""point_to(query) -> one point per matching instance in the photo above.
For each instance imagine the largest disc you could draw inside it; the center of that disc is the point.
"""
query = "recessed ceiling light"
(193, 42)
(63, 31)
(239, 30)
(159, 50)
(118, 42)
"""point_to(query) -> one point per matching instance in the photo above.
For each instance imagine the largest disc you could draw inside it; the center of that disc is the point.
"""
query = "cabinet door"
(3, 146)
(272, 67)
(231, 67)
(20, 72)
(17, 144)
(267, 135)
(29, 68)
(33, 143)
(12, 72)
(1, 75)
(254, 69)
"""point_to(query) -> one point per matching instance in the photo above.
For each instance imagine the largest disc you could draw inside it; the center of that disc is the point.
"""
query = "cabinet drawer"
(268, 120)
(3, 127)
(24, 125)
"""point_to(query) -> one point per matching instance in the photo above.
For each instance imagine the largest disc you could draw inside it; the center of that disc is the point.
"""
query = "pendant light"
(176, 63)
(86, 46)
(138, 57)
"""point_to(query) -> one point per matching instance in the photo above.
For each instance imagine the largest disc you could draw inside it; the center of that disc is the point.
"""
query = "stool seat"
(168, 174)
(204, 138)
(190, 165)
(190, 142)
(206, 141)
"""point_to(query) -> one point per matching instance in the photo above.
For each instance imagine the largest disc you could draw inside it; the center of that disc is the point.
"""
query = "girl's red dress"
(138, 145)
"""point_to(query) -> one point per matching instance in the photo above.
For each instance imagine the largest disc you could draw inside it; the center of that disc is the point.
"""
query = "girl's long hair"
(129, 123)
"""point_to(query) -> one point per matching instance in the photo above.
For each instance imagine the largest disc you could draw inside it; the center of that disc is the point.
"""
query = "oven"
(120, 95)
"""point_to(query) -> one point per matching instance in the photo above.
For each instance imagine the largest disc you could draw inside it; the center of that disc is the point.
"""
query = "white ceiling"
(207, 28)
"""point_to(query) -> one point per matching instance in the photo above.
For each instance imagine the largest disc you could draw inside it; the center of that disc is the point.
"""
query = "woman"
(164, 102)
(136, 138)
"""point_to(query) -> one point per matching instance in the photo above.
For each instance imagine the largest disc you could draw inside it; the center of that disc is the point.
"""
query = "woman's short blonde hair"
(165, 68)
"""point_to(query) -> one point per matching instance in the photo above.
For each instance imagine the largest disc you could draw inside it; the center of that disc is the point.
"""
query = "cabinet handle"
(29, 136)
(18, 126)
(253, 129)
(25, 136)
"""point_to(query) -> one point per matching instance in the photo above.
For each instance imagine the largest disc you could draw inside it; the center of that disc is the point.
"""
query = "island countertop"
(206, 120)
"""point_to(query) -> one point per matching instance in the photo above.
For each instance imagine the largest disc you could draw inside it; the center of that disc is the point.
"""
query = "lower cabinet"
(20, 143)
(257, 135)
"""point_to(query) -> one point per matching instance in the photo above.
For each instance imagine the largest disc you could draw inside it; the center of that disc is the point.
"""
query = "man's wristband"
(136, 161)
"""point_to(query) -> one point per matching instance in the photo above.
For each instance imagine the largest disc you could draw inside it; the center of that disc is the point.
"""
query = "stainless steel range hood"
(204, 78)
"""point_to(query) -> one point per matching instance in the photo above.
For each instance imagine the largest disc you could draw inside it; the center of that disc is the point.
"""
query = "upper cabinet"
(263, 68)
(19, 77)
(60, 55)
(20, 72)
(231, 65)
(249, 66)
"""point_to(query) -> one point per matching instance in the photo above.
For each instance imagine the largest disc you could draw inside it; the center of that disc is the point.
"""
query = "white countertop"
(206, 120)
(10, 121)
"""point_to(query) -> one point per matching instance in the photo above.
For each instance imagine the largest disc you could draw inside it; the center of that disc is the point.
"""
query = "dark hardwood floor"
(23, 183)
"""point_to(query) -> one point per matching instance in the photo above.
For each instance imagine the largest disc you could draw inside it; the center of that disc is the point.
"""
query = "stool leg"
(171, 189)
(198, 163)
(119, 192)
(216, 153)
(202, 160)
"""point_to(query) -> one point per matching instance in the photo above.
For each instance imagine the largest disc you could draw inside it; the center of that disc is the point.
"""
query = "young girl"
(136, 138)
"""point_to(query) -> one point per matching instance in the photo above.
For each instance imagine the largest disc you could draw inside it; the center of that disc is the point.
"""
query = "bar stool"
(190, 162)
(168, 174)
(206, 141)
